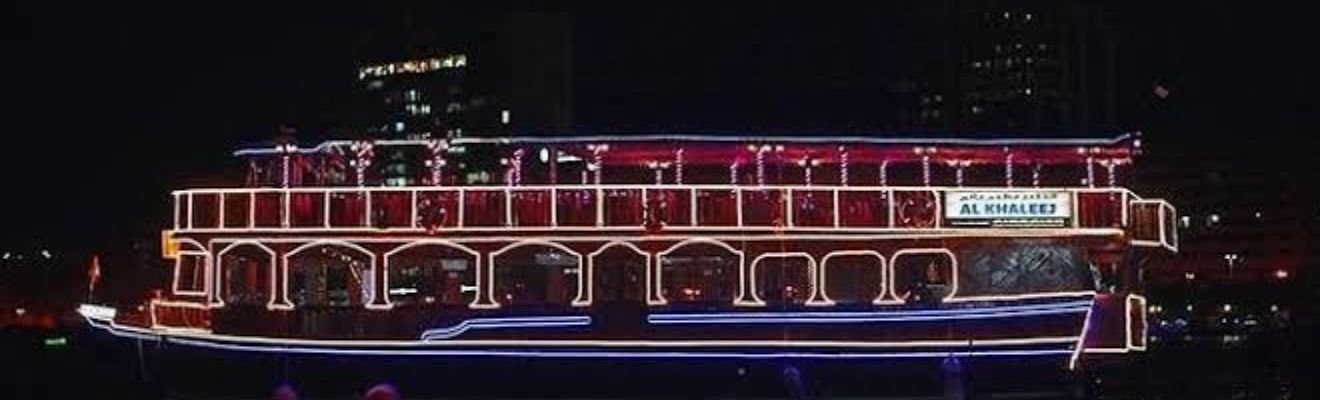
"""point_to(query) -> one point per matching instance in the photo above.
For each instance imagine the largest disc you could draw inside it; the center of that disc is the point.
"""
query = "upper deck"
(684, 185)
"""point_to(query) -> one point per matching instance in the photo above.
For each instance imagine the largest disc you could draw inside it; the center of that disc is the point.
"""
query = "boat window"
(924, 277)
(536, 276)
(783, 280)
(432, 274)
(699, 273)
(329, 276)
(246, 270)
(856, 278)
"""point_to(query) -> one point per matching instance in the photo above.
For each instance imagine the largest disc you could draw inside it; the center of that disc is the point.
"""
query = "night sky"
(112, 105)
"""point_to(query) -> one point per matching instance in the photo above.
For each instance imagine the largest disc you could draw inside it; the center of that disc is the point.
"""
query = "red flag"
(93, 273)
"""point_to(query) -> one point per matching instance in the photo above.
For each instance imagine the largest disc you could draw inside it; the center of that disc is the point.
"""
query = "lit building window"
(1212, 220)
(504, 117)
(415, 109)
(398, 126)
(413, 66)
(1185, 221)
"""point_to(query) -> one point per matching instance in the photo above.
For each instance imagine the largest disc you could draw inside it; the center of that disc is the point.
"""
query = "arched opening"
(190, 268)
(246, 274)
(618, 275)
(330, 275)
(535, 275)
(700, 273)
(783, 279)
(431, 274)
(853, 277)
(190, 274)
(924, 276)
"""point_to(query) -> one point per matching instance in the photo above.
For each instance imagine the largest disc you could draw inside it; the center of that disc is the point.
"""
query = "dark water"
(1266, 366)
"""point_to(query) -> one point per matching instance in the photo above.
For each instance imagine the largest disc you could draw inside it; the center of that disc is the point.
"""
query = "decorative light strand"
(1112, 167)
(1090, 171)
(843, 166)
(678, 166)
(958, 168)
(284, 180)
(517, 166)
(925, 170)
(597, 154)
(1008, 170)
(884, 172)
(436, 163)
(808, 165)
(760, 164)
(362, 153)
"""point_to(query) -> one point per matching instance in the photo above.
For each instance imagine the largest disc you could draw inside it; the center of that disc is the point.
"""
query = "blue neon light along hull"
(1048, 327)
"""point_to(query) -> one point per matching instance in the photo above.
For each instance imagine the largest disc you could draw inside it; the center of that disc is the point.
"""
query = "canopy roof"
(705, 149)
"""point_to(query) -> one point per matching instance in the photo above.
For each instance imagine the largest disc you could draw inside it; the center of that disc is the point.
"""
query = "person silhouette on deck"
(922, 290)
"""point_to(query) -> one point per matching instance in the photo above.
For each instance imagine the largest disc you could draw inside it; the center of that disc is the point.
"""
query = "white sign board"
(1008, 208)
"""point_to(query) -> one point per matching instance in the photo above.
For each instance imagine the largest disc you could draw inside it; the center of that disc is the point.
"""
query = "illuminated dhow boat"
(667, 246)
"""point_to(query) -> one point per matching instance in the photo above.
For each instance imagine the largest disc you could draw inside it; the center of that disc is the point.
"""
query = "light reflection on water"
(1264, 367)
(1257, 367)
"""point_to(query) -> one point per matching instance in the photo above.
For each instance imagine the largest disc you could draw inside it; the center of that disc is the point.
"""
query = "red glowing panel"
(763, 207)
(576, 208)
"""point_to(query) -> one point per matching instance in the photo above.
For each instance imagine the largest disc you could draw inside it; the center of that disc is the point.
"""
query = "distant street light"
(1231, 258)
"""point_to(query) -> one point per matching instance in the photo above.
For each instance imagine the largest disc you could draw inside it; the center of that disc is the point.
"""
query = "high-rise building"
(419, 96)
(1015, 66)
(495, 76)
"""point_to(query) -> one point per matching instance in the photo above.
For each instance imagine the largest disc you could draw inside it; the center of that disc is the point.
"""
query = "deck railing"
(626, 207)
